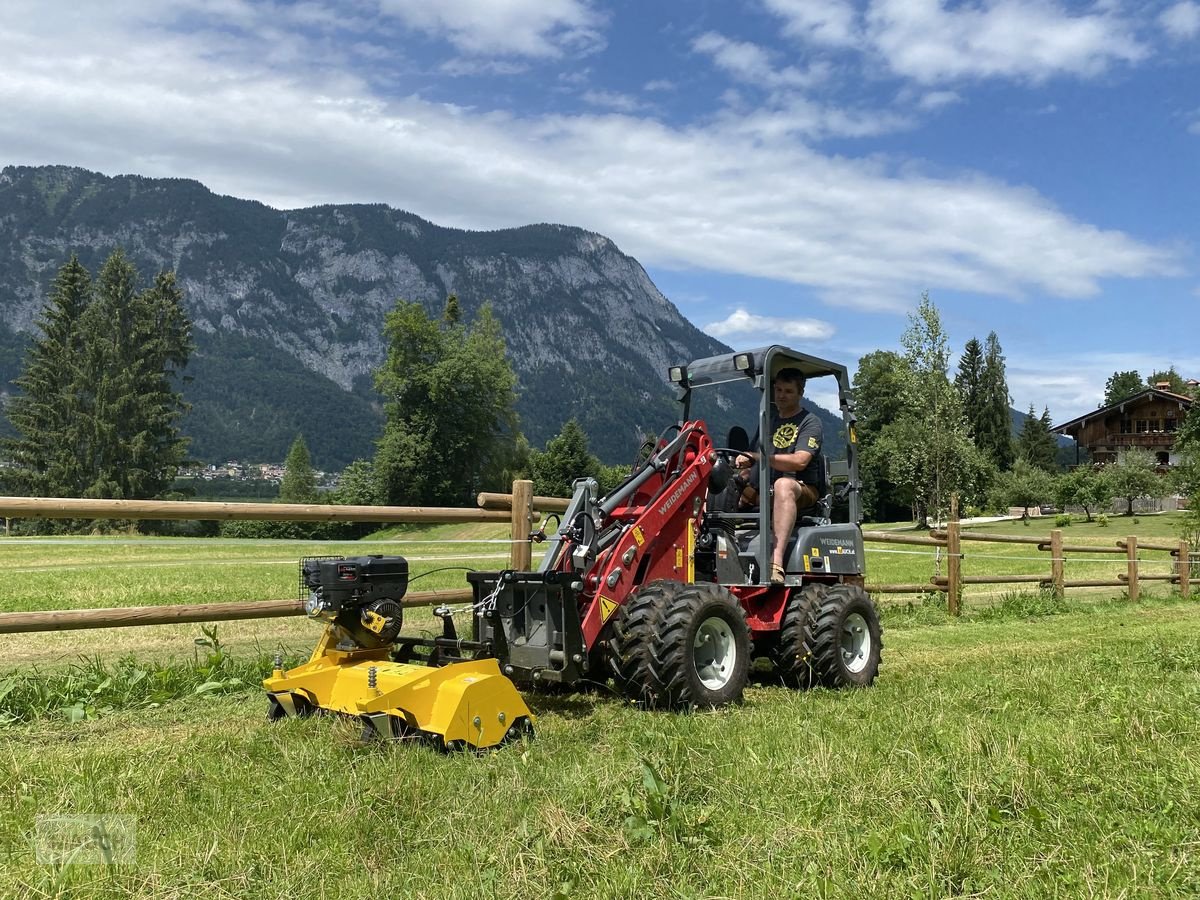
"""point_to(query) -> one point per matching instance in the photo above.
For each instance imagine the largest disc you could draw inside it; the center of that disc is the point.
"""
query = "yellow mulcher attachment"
(460, 704)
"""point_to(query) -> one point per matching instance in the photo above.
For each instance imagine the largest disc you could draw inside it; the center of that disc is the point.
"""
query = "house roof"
(1148, 394)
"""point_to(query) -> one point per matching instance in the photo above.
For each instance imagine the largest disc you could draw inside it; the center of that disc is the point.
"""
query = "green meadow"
(1033, 747)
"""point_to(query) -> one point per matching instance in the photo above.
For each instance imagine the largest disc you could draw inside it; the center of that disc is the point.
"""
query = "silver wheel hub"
(855, 643)
(714, 653)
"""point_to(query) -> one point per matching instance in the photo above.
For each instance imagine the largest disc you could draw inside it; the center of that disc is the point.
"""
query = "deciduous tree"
(878, 396)
(449, 390)
(1135, 476)
(1086, 487)
(1121, 385)
(927, 450)
(1024, 485)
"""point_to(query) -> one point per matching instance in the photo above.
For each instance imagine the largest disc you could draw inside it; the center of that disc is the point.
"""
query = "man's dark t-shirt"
(792, 434)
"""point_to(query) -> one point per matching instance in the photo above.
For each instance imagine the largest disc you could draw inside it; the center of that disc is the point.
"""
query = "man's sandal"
(777, 574)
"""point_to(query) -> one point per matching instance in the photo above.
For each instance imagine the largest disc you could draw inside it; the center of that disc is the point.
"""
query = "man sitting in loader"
(796, 437)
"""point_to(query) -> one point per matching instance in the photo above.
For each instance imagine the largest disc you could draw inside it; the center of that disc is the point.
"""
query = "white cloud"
(938, 99)
(469, 66)
(1181, 21)
(830, 22)
(535, 28)
(740, 322)
(254, 116)
(931, 42)
(659, 84)
(622, 103)
(751, 63)
(1006, 38)
(1072, 384)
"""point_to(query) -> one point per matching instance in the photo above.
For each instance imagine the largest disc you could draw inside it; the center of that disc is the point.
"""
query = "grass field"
(1009, 753)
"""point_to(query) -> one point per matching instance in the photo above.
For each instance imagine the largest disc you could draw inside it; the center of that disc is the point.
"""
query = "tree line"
(98, 408)
(924, 435)
(98, 414)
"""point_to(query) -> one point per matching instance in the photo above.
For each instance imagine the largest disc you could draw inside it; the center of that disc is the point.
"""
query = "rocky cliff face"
(288, 308)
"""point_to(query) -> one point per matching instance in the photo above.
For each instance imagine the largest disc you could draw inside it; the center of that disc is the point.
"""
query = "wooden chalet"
(1148, 420)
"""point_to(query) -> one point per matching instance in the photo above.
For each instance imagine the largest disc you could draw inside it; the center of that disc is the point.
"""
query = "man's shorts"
(807, 497)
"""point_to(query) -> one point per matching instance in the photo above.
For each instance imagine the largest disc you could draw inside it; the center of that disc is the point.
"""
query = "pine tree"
(45, 452)
(136, 345)
(299, 484)
(565, 458)
(993, 422)
(452, 314)
(1036, 444)
(99, 414)
(969, 382)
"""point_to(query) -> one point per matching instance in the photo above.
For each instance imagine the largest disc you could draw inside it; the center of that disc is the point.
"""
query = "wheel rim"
(856, 643)
(714, 652)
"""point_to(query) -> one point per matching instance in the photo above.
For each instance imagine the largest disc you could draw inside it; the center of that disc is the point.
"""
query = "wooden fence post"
(1056, 562)
(953, 559)
(521, 554)
(1131, 555)
(1185, 569)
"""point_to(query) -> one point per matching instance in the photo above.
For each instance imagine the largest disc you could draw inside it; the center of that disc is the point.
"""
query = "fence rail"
(521, 509)
(951, 537)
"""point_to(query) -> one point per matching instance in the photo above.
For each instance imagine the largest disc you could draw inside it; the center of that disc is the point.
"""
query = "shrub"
(1102, 520)
(1062, 520)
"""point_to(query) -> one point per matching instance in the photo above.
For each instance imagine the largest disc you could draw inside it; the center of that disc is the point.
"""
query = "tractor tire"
(701, 652)
(794, 651)
(847, 640)
(632, 638)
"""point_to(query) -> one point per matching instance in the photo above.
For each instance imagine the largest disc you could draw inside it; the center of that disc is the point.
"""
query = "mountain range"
(288, 308)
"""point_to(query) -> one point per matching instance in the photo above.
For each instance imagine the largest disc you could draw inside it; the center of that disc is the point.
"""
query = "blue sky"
(786, 170)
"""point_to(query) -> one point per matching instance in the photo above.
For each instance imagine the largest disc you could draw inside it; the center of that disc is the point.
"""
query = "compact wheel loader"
(663, 585)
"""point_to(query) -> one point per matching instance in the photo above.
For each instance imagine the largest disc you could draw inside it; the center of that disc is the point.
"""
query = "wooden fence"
(951, 539)
(521, 509)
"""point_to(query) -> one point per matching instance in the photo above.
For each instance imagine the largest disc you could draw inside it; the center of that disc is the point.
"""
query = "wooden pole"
(77, 619)
(953, 559)
(1131, 555)
(1056, 561)
(64, 508)
(521, 554)
(1183, 565)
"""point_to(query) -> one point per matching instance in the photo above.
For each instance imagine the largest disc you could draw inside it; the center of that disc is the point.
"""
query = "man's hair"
(792, 376)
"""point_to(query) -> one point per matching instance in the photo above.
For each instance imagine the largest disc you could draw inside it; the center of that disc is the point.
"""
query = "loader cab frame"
(759, 368)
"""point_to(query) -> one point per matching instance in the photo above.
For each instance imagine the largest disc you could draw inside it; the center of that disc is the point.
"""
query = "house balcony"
(1146, 439)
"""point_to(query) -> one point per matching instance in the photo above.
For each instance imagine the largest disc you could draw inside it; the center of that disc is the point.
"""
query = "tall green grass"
(1044, 756)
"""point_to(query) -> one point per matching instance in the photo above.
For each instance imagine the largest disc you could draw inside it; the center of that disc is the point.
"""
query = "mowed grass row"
(1051, 757)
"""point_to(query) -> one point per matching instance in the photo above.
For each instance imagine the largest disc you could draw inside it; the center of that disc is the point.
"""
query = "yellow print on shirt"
(785, 435)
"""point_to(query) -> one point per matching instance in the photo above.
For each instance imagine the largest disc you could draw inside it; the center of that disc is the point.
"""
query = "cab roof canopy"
(751, 363)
